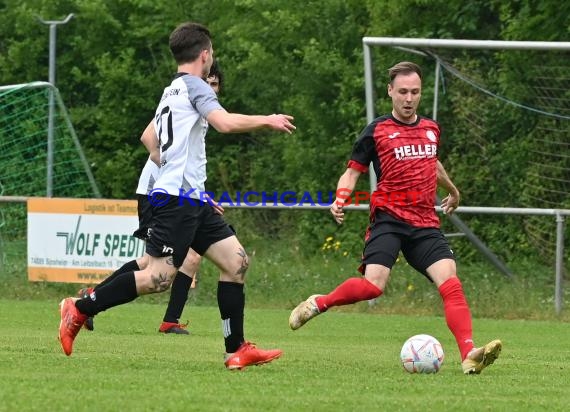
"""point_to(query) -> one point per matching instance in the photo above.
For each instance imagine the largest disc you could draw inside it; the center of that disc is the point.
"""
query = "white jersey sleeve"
(148, 177)
(181, 126)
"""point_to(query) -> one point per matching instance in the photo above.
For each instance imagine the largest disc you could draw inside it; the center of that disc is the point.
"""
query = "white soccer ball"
(422, 354)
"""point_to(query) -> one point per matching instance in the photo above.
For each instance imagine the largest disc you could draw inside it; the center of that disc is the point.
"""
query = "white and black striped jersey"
(181, 126)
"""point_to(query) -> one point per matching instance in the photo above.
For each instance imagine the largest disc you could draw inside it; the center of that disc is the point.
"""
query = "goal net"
(24, 124)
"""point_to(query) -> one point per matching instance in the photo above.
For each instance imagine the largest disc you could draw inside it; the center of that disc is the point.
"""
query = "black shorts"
(421, 246)
(145, 216)
(182, 224)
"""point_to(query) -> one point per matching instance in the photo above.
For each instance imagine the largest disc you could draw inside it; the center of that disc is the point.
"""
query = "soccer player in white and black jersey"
(186, 276)
(181, 218)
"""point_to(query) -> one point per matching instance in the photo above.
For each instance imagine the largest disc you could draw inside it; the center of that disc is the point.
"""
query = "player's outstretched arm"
(225, 122)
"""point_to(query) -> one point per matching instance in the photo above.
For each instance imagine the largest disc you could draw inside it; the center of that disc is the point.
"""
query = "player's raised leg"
(350, 291)
(123, 289)
(131, 266)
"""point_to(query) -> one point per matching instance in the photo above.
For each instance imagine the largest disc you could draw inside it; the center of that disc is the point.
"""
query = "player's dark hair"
(188, 40)
(404, 68)
(216, 71)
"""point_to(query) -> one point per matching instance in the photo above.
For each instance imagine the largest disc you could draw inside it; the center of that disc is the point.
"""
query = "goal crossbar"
(466, 44)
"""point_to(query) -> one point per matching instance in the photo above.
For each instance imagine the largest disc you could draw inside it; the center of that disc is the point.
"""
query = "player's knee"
(239, 268)
(153, 282)
(439, 278)
(159, 282)
(142, 262)
(442, 270)
(191, 263)
(378, 275)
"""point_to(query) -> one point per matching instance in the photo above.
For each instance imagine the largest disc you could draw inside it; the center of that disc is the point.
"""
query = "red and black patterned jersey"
(404, 157)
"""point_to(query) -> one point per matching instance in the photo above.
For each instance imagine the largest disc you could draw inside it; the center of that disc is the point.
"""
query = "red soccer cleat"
(176, 328)
(71, 322)
(248, 354)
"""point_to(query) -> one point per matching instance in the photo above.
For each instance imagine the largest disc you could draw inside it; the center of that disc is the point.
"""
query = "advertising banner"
(80, 240)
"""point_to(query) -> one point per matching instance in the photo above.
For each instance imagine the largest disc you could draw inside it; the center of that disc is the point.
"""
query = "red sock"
(350, 291)
(457, 314)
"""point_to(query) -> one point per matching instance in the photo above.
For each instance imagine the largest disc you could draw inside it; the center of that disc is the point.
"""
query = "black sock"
(231, 302)
(120, 290)
(178, 297)
(131, 266)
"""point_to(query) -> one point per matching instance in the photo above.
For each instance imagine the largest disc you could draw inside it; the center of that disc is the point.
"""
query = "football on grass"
(422, 354)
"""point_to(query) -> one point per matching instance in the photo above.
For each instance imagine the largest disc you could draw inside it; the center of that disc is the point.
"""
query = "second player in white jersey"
(147, 178)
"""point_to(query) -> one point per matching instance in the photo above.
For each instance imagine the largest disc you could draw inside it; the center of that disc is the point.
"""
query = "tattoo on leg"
(160, 282)
(244, 263)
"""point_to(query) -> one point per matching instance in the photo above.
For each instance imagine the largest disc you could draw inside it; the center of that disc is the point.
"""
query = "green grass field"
(280, 276)
(339, 362)
(345, 360)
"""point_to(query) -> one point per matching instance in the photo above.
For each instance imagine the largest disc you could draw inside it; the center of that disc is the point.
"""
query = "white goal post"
(408, 44)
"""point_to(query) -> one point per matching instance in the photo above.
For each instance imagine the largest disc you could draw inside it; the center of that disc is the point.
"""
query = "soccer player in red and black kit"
(402, 148)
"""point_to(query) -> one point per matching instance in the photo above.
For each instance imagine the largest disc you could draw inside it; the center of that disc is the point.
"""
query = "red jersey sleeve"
(364, 150)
